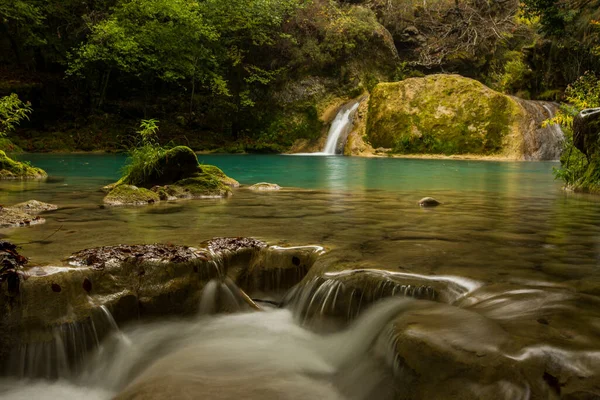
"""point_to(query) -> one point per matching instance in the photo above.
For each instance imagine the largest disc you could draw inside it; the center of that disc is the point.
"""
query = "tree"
(18, 20)
(168, 40)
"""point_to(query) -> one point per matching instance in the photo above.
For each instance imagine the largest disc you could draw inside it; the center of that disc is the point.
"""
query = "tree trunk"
(104, 86)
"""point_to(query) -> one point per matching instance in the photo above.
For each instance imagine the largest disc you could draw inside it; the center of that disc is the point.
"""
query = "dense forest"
(252, 75)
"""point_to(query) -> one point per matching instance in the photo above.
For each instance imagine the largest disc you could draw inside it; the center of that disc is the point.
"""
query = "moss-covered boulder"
(129, 195)
(11, 169)
(177, 163)
(451, 114)
(175, 175)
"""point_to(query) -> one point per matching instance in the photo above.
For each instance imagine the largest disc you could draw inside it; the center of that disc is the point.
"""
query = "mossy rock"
(11, 169)
(203, 185)
(177, 163)
(216, 171)
(8, 146)
(129, 195)
(441, 114)
(176, 175)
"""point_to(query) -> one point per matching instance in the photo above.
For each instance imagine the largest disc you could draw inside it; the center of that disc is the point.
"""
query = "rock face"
(11, 169)
(450, 114)
(176, 175)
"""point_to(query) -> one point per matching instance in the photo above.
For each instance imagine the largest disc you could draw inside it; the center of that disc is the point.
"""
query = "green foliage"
(405, 71)
(12, 112)
(143, 160)
(513, 76)
(148, 131)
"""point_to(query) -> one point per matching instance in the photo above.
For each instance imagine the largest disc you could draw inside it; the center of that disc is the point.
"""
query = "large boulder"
(451, 114)
(11, 169)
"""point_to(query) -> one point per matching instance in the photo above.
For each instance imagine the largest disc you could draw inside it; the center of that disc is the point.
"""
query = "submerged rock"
(451, 114)
(11, 169)
(429, 202)
(11, 217)
(176, 175)
(34, 207)
(264, 187)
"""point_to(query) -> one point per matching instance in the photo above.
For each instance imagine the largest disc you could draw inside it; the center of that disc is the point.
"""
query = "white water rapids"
(256, 355)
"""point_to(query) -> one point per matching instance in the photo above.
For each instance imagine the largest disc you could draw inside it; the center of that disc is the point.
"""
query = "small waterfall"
(224, 296)
(338, 132)
(64, 354)
(340, 127)
(541, 142)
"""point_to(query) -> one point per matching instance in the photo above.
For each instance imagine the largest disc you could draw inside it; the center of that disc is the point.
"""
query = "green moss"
(204, 185)
(216, 171)
(444, 114)
(11, 169)
(8, 146)
(130, 195)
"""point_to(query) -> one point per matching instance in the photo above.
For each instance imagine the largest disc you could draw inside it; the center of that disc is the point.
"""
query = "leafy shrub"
(143, 158)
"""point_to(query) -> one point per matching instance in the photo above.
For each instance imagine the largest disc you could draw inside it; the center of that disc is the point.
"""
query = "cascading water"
(338, 133)
(541, 141)
(341, 126)
(264, 355)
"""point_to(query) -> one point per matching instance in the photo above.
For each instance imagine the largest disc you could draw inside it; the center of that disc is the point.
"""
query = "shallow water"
(507, 220)
(529, 250)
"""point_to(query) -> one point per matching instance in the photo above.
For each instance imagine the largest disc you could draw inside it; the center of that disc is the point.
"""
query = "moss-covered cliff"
(446, 114)
(451, 114)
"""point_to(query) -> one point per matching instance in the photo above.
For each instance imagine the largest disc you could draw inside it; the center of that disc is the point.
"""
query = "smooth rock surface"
(265, 187)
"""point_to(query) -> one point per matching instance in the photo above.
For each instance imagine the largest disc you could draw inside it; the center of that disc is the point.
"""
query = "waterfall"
(338, 132)
(541, 142)
(340, 127)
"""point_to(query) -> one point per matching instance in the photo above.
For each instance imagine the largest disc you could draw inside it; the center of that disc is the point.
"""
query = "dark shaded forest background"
(253, 75)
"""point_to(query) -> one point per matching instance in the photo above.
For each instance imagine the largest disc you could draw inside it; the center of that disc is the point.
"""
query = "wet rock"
(219, 245)
(11, 169)
(10, 218)
(99, 257)
(264, 186)
(129, 195)
(429, 202)
(34, 207)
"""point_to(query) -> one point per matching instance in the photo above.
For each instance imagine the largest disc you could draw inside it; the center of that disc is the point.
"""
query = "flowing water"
(508, 267)
(338, 132)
